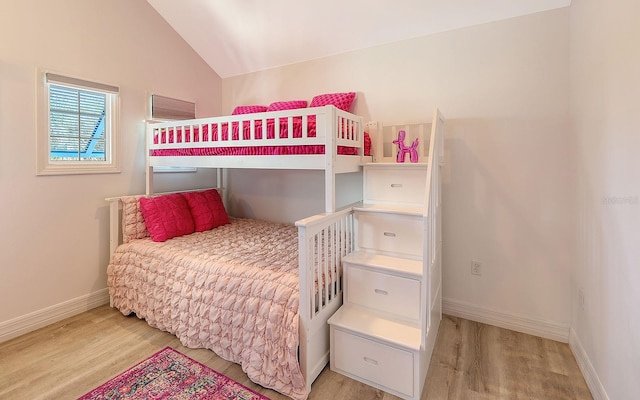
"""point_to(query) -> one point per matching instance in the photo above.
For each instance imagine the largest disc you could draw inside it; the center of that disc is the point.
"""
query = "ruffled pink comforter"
(233, 290)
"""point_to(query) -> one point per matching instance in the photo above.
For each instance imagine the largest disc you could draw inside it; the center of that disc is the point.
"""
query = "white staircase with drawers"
(384, 333)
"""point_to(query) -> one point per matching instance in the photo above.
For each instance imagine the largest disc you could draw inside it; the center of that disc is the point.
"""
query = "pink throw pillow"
(207, 209)
(367, 144)
(248, 110)
(133, 226)
(342, 101)
(166, 216)
(287, 105)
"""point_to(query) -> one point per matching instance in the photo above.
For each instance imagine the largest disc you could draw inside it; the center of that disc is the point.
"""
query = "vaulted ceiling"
(236, 37)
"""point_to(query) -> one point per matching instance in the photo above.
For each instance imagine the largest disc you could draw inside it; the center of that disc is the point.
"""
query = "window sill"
(77, 170)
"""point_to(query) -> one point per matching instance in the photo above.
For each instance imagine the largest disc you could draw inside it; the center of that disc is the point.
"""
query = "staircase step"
(368, 323)
(390, 209)
(383, 263)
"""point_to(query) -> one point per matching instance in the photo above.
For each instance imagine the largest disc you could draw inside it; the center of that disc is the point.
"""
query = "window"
(78, 126)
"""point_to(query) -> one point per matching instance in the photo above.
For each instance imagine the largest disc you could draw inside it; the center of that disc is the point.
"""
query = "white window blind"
(76, 124)
(80, 83)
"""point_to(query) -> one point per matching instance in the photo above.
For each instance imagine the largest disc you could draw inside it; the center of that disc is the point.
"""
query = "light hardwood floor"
(470, 361)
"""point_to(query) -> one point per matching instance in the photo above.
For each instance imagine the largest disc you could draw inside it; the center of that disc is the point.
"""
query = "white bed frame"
(334, 128)
(316, 235)
(333, 229)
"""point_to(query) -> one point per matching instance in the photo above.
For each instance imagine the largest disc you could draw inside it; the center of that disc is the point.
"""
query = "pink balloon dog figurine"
(403, 149)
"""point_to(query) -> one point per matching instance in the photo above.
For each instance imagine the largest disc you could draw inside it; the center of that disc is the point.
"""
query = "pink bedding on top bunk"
(249, 150)
(233, 290)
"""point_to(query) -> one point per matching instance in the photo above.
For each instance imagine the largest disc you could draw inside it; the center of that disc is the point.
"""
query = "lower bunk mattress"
(233, 290)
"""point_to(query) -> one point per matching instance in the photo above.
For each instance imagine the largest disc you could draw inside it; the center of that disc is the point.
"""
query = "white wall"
(605, 88)
(286, 196)
(509, 182)
(54, 229)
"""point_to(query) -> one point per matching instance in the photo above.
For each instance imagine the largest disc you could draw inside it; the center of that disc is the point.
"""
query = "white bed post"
(149, 174)
(114, 225)
(305, 313)
(114, 229)
(330, 152)
(221, 184)
(376, 133)
(361, 141)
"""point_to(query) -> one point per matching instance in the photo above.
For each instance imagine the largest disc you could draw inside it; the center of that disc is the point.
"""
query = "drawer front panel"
(395, 186)
(375, 362)
(391, 233)
(388, 293)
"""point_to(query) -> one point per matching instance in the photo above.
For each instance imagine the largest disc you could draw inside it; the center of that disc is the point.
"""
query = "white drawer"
(395, 233)
(374, 362)
(388, 293)
(393, 185)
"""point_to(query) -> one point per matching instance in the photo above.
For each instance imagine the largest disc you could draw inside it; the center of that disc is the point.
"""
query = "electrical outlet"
(581, 299)
(476, 267)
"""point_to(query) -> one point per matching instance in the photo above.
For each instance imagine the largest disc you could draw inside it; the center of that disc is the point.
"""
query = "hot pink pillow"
(342, 101)
(207, 209)
(287, 105)
(166, 216)
(248, 110)
(367, 144)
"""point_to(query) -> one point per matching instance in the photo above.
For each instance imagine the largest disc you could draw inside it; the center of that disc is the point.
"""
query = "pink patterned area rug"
(169, 374)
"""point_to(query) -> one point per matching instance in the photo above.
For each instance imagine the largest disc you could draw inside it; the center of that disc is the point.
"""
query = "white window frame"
(46, 166)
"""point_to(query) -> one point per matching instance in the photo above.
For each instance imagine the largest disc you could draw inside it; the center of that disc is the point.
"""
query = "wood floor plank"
(470, 361)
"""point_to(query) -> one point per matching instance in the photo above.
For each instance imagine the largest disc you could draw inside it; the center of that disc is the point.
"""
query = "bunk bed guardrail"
(323, 241)
(336, 138)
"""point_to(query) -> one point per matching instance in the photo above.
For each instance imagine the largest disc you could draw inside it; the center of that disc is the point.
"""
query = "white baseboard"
(38, 319)
(589, 373)
(546, 329)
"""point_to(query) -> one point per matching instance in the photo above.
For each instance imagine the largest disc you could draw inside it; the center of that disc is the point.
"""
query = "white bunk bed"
(323, 239)
(317, 128)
